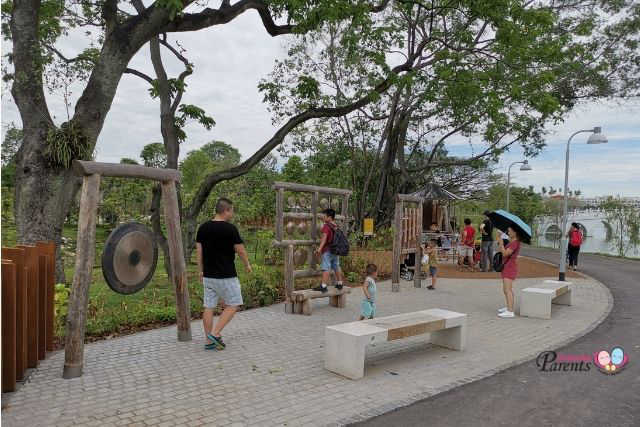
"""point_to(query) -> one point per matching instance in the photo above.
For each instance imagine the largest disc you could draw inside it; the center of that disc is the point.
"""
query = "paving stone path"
(272, 372)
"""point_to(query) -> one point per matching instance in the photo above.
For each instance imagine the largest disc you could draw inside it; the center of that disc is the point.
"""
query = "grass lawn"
(113, 313)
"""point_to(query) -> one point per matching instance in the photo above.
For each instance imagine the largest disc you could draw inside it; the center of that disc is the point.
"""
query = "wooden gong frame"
(91, 173)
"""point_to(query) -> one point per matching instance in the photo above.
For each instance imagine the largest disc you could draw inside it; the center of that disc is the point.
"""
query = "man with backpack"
(575, 240)
(332, 245)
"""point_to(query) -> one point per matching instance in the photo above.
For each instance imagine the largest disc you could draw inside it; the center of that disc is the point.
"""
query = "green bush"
(61, 307)
(262, 287)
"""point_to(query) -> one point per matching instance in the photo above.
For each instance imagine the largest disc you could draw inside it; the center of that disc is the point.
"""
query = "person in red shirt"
(465, 249)
(509, 270)
(575, 240)
(329, 261)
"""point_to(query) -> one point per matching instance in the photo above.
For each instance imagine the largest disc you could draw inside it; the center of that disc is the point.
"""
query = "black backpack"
(339, 244)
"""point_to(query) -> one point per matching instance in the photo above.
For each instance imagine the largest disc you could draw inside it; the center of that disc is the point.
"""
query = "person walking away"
(466, 244)
(217, 243)
(432, 253)
(575, 240)
(486, 263)
(368, 304)
(329, 260)
(509, 271)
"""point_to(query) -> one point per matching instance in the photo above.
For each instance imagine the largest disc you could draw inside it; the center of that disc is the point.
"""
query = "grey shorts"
(227, 289)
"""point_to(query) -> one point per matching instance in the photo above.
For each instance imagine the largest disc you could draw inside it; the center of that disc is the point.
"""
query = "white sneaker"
(502, 310)
(506, 314)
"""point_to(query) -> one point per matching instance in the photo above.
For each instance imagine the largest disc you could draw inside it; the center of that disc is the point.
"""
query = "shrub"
(262, 287)
(61, 307)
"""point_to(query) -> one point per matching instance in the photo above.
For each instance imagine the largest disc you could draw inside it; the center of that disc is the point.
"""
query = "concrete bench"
(536, 302)
(345, 344)
(302, 300)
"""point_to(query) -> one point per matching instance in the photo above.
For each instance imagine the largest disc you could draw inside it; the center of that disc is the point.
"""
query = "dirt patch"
(527, 268)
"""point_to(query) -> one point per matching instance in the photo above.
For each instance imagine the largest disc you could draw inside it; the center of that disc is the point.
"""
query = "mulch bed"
(527, 268)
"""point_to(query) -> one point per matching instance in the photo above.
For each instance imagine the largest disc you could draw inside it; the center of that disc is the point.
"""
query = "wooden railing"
(28, 291)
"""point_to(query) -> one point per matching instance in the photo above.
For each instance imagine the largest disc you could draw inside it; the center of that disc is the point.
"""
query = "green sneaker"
(217, 342)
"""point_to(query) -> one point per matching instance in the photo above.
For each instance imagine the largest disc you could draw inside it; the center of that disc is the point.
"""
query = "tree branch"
(139, 74)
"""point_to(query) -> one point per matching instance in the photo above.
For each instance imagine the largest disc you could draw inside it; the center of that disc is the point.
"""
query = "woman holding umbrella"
(518, 232)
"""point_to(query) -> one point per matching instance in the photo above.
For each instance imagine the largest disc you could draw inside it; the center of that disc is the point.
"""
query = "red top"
(470, 233)
(510, 270)
(575, 238)
(326, 229)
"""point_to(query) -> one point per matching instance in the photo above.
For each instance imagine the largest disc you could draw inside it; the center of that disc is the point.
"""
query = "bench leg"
(333, 301)
(288, 307)
(564, 299)
(453, 338)
(307, 307)
(297, 307)
(535, 305)
(344, 354)
(342, 301)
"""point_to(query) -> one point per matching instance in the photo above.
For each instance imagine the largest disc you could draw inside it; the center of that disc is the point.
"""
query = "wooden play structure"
(91, 173)
(414, 214)
(304, 204)
(407, 237)
(28, 320)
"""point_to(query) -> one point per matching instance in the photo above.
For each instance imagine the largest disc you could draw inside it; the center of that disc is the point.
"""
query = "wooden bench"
(536, 302)
(345, 344)
(302, 300)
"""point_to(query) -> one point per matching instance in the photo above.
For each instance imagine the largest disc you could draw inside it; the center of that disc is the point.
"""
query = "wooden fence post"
(397, 247)
(42, 304)
(33, 301)
(9, 370)
(288, 279)
(79, 297)
(178, 267)
(17, 257)
(417, 278)
(49, 248)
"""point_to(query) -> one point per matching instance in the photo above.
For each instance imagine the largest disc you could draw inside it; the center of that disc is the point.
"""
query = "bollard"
(8, 306)
(17, 257)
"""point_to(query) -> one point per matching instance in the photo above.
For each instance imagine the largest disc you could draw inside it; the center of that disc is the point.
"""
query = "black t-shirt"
(218, 254)
(488, 229)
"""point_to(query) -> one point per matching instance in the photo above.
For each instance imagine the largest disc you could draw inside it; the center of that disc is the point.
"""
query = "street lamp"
(596, 137)
(525, 167)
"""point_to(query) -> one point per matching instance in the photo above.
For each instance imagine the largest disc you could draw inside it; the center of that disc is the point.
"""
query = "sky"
(231, 59)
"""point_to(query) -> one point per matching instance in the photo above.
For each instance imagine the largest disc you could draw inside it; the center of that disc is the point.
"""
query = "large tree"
(45, 185)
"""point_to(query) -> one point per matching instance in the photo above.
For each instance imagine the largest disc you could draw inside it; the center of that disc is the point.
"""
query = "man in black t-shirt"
(486, 262)
(217, 243)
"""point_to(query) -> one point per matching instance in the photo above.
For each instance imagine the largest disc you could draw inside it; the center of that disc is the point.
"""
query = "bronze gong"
(129, 258)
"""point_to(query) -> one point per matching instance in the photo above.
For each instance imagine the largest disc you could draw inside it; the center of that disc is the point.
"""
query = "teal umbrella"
(503, 219)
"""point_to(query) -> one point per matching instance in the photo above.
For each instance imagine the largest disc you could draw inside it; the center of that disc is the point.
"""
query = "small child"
(368, 304)
(432, 253)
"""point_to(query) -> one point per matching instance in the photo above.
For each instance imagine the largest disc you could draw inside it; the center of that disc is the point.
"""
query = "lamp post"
(525, 167)
(596, 137)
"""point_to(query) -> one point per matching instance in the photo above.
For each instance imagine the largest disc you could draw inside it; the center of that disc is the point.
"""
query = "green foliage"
(61, 306)
(174, 7)
(353, 277)
(262, 287)
(293, 170)
(66, 143)
(191, 112)
(154, 155)
(622, 225)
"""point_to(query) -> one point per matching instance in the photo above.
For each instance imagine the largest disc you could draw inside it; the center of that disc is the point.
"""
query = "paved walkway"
(272, 371)
(529, 398)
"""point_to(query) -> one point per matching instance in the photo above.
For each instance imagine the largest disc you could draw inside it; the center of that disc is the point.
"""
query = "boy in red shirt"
(329, 261)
